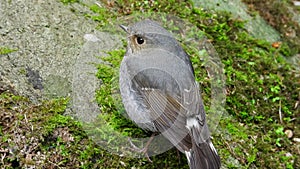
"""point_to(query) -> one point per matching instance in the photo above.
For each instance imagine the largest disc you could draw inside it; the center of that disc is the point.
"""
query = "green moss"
(260, 85)
(275, 13)
(69, 1)
(111, 107)
(5, 50)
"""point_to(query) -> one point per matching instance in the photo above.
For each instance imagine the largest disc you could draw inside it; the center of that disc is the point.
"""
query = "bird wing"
(181, 119)
(168, 117)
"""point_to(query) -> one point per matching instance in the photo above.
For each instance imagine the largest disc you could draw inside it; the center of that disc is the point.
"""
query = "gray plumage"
(160, 94)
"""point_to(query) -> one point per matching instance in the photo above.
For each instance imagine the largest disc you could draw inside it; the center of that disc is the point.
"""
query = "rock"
(48, 37)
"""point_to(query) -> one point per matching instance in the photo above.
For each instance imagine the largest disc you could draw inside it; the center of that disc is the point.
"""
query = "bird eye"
(140, 40)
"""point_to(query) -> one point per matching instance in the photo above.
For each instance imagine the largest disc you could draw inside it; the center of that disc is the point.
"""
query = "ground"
(260, 124)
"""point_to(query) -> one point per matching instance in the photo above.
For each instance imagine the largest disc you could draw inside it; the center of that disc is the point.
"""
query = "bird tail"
(203, 156)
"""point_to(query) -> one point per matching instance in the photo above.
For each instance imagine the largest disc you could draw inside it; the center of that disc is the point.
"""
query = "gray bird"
(160, 94)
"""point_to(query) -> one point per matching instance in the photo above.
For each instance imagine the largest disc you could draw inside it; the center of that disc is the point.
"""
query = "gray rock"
(56, 52)
(48, 37)
(84, 81)
(256, 26)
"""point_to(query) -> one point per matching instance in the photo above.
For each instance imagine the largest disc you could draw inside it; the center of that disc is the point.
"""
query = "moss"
(5, 50)
(69, 1)
(275, 13)
(260, 85)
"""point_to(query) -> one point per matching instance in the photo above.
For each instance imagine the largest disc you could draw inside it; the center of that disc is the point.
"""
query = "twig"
(280, 113)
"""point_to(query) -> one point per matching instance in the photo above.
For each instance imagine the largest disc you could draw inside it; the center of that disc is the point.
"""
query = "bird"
(160, 93)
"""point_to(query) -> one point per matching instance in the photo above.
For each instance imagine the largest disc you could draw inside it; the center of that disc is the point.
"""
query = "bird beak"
(125, 28)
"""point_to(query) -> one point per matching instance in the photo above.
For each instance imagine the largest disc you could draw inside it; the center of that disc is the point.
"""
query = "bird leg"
(143, 150)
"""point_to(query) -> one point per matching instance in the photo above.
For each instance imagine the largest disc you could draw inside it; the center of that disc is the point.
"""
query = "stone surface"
(256, 25)
(85, 83)
(48, 38)
(56, 49)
